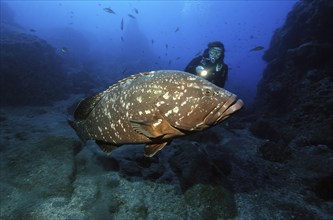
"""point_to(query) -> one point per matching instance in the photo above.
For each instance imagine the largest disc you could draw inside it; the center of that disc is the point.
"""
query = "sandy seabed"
(46, 174)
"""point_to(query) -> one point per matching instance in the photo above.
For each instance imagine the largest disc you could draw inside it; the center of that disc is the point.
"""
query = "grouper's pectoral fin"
(106, 147)
(152, 149)
(154, 129)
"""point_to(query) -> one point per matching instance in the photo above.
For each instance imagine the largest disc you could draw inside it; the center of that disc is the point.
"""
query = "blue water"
(226, 173)
(92, 36)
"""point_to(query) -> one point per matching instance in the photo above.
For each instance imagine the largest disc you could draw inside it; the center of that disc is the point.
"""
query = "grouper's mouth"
(223, 112)
(230, 106)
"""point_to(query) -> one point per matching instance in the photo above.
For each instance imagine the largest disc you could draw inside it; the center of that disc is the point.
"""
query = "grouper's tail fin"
(80, 131)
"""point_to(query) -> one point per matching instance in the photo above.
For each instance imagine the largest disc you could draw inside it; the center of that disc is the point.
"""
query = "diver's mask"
(214, 54)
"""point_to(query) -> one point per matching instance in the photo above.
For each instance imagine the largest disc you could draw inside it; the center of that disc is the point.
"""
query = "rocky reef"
(295, 96)
(294, 100)
(31, 71)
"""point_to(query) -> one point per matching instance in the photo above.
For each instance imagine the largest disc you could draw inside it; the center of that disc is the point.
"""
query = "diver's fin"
(80, 131)
(154, 129)
(152, 149)
(86, 106)
(106, 147)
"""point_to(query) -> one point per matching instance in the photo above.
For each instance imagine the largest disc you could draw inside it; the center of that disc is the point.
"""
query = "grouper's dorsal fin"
(86, 106)
(123, 81)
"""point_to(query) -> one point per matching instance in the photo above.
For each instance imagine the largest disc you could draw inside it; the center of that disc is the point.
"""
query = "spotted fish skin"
(152, 108)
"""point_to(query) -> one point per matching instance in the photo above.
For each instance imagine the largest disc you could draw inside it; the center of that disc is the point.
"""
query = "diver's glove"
(199, 69)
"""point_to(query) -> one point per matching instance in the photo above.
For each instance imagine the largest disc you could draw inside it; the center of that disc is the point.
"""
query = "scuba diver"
(211, 64)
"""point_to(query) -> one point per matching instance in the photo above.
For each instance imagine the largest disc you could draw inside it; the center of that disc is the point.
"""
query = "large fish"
(152, 108)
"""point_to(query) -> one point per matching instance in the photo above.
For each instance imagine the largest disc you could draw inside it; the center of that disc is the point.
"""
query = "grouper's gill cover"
(152, 108)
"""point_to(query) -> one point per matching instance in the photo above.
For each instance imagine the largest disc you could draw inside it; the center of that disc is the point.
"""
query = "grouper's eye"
(208, 92)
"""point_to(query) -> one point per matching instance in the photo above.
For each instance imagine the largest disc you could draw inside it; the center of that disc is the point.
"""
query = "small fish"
(178, 58)
(152, 108)
(109, 10)
(170, 62)
(136, 11)
(177, 29)
(197, 54)
(166, 46)
(131, 16)
(258, 48)
(152, 41)
(122, 24)
(122, 39)
(64, 49)
(32, 30)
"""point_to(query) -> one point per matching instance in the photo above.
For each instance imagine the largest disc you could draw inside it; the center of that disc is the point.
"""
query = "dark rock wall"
(30, 72)
(294, 102)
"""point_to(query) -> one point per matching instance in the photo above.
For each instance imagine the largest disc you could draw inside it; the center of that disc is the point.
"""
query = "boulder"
(31, 71)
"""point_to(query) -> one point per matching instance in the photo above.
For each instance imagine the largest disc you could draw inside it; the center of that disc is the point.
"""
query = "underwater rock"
(2, 118)
(207, 136)
(324, 188)
(192, 166)
(306, 22)
(314, 166)
(100, 194)
(293, 109)
(31, 71)
(182, 164)
(296, 91)
(276, 152)
(266, 130)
